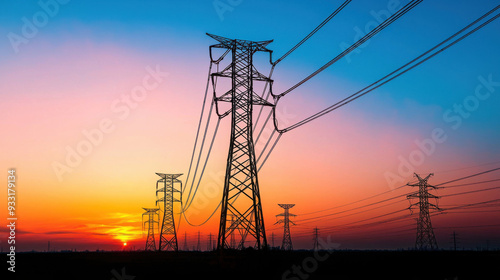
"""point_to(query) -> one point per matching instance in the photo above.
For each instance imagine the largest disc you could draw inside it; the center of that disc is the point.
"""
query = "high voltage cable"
(199, 123)
(204, 222)
(340, 227)
(365, 38)
(378, 202)
(475, 226)
(204, 166)
(314, 31)
(396, 73)
(475, 183)
(332, 15)
(472, 204)
(352, 209)
(310, 220)
(204, 136)
(217, 61)
(468, 192)
(270, 150)
(201, 150)
(354, 202)
(372, 33)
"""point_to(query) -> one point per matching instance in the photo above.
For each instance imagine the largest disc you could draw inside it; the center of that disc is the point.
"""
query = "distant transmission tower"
(454, 240)
(168, 235)
(150, 240)
(287, 239)
(316, 238)
(241, 196)
(426, 240)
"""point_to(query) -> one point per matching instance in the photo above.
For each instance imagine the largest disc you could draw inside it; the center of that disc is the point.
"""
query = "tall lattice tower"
(241, 196)
(150, 240)
(287, 239)
(426, 240)
(166, 199)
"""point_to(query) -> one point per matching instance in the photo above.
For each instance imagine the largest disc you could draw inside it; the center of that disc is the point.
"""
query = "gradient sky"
(75, 69)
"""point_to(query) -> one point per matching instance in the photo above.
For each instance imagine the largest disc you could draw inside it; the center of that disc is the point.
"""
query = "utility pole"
(426, 240)
(241, 195)
(287, 240)
(150, 240)
(168, 235)
(454, 240)
(316, 239)
(272, 240)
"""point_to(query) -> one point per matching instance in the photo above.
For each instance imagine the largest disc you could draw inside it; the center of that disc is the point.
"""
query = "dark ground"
(294, 265)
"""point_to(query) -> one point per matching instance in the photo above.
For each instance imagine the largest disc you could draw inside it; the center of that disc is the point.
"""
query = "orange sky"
(335, 160)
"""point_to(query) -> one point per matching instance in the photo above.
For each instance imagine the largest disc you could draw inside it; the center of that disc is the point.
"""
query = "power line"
(332, 15)
(354, 202)
(365, 38)
(470, 176)
(469, 184)
(469, 192)
(204, 166)
(212, 61)
(314, 31)
(396, 73)
(356, 208)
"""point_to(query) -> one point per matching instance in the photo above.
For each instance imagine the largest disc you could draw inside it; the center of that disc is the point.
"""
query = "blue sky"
(419, 98)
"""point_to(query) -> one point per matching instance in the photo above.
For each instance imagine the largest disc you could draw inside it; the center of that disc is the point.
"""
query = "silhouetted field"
(251, 264)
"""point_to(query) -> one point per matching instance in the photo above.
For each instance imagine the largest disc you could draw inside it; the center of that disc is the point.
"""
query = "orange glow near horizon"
(99, 201)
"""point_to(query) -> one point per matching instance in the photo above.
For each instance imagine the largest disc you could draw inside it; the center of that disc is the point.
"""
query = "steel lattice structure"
(426, 240)
(316, 238)
(241, 196)
(287, 239)
(150, 240)
(168, 234)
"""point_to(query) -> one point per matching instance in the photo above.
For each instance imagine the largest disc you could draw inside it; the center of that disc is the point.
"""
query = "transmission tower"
(426, 240)
(168, 235)
(316, 238)
(150, 240)
(287, 240)
(241, 173)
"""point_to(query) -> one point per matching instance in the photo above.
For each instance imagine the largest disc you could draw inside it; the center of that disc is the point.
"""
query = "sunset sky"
(71, 79)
